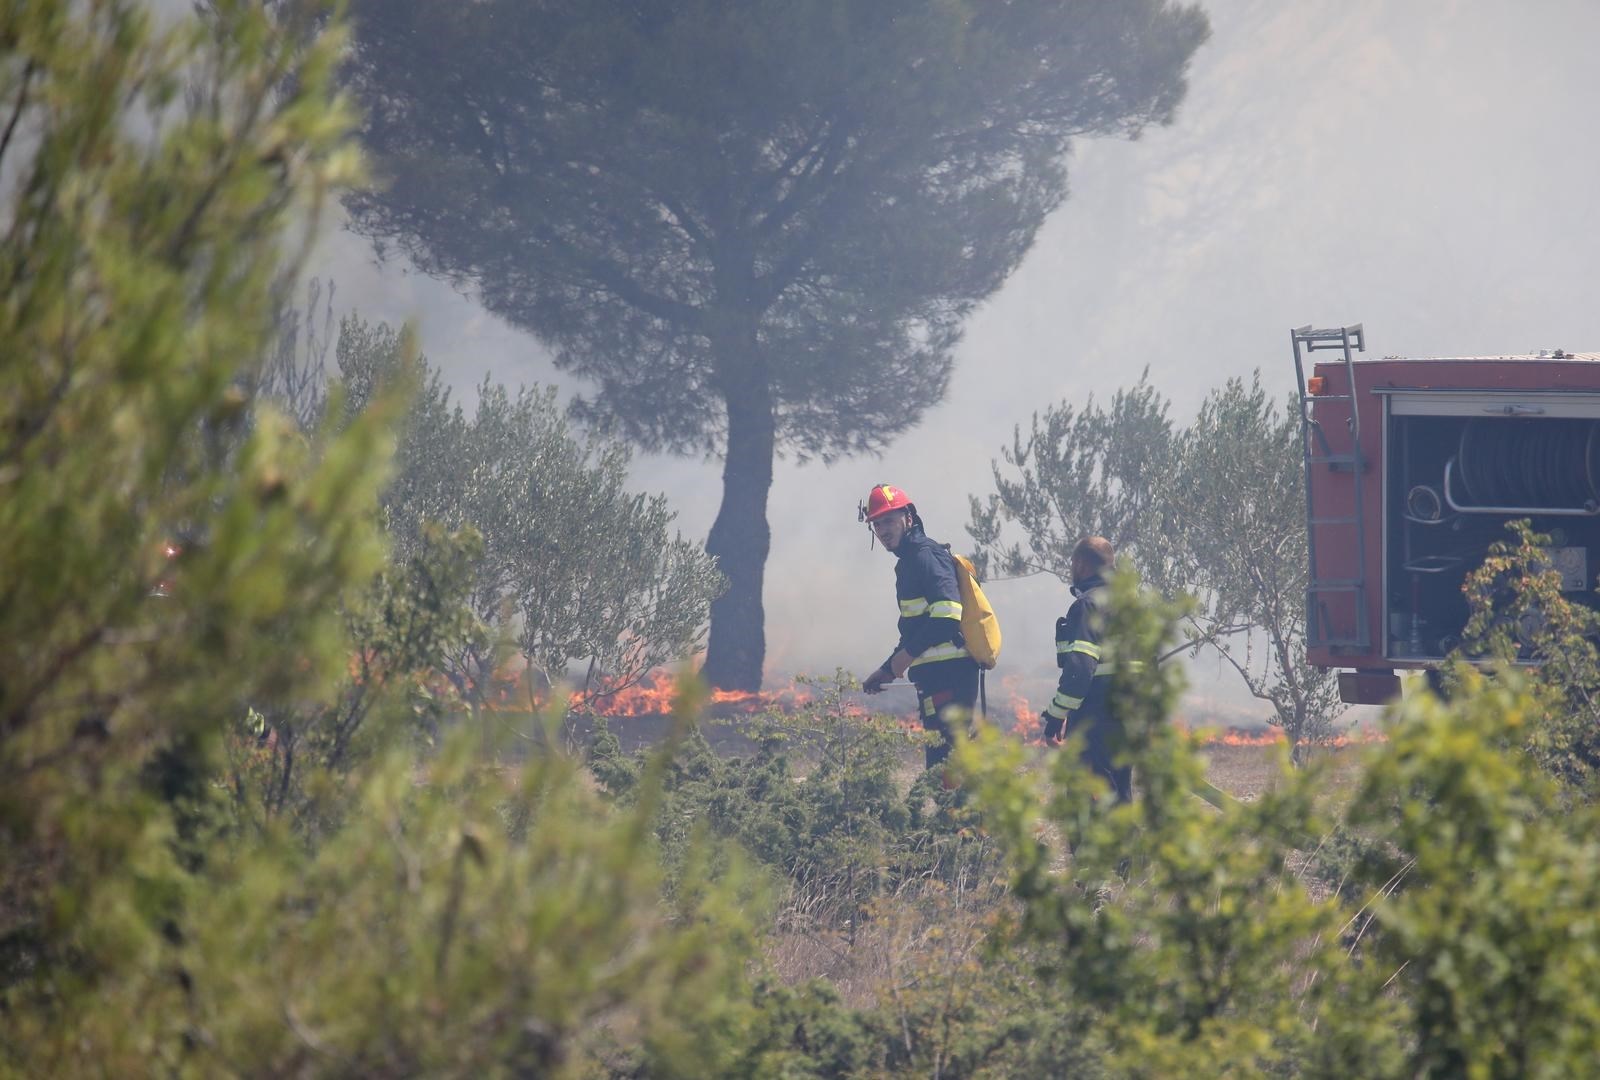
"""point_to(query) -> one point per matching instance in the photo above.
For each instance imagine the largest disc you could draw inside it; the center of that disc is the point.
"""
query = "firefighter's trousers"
(947, 694)
(1102, 741)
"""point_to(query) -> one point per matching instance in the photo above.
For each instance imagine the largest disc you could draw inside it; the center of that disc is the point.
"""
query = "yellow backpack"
(979, 626)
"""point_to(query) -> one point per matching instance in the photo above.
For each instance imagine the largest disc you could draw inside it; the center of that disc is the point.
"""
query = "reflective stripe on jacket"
(930, 601)
(1080, 655)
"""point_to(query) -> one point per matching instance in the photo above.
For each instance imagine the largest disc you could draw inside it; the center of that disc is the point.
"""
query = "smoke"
(1423, 169)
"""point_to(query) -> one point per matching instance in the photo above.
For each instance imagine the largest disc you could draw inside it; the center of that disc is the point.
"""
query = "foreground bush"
(1470, 949)
(180, 562)
(463, 922)
(148, 171)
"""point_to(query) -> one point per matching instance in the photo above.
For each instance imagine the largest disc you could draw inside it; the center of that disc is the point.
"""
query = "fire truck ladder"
(1320, 451)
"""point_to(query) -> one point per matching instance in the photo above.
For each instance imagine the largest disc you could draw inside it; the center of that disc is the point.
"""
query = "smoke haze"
(1426, 169)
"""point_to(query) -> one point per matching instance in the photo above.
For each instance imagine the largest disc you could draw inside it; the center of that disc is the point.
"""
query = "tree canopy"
(753, 227)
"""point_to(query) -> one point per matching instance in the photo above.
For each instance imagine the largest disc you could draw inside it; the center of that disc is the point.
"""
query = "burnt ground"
(1243, 771)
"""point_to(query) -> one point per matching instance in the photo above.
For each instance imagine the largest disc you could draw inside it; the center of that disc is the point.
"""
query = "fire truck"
(1413, 467)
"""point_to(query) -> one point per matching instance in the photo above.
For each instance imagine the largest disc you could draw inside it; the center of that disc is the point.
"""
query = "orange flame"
(657, 692)
(1271, 736)
(1025, 723)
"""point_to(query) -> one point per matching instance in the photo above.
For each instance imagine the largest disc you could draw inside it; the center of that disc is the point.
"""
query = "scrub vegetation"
(253, 821)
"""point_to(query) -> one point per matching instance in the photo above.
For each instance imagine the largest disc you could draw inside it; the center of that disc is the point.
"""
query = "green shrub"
(821, 801)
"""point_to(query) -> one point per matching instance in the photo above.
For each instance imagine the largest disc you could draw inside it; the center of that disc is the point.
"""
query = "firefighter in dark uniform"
(931, 651)
(1082, 703)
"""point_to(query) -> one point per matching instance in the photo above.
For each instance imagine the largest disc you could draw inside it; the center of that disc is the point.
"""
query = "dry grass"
(927, 924)
(924, 932)
(1247, 772)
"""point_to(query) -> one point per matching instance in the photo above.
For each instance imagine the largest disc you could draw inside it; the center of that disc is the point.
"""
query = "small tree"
(294, 376)
(575, 568)
(1215, 509)
(1177, 927)
(1238, 501)
(1492, 941)
(403, 630)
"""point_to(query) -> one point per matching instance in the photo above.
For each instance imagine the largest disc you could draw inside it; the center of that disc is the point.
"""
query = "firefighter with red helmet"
(931, 651)
(1082, 704)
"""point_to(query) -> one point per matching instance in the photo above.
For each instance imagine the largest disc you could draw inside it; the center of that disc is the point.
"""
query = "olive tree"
(575, 569)
(1215, 509)
(1238, 503)
(1089, 471)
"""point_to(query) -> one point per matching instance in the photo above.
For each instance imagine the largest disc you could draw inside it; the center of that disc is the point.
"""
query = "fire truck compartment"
(1457, 466)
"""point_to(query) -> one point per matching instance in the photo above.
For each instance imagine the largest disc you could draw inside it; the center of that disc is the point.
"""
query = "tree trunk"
(740, 539)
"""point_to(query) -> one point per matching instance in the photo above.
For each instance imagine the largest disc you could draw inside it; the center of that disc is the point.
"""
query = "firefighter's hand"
(873, 683)
(1052, 728)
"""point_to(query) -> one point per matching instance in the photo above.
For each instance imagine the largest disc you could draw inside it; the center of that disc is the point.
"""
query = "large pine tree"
(751, 225)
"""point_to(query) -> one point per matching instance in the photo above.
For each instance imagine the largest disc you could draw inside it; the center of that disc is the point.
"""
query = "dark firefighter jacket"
(1085, 672)
(930, 603)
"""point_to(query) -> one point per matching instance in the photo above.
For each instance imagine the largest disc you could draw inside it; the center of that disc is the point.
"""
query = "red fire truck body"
(1413, 467)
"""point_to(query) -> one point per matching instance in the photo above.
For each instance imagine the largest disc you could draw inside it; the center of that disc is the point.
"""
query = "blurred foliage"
(1492, 941)
(1519, 614)
(189, 581)
(1469, 949)
(1215, 510)
(148, 171)
(424, 937)
(1178, 926)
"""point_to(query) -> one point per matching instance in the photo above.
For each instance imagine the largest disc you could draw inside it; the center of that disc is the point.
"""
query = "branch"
(17, 110)
(684, 219)
(1244, 673)
(18, 717)
(277, 800)
(779, 278)
(240, 142)
(786, 168)
(42, 413)
(1035, 572)
(609, 277)
(821, 153)
(673, 206)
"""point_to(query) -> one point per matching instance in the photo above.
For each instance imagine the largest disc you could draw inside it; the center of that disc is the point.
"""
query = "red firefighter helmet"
(883, 499)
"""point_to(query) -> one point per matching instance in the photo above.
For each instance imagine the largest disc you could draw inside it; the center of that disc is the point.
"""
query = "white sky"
(1427, 169)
